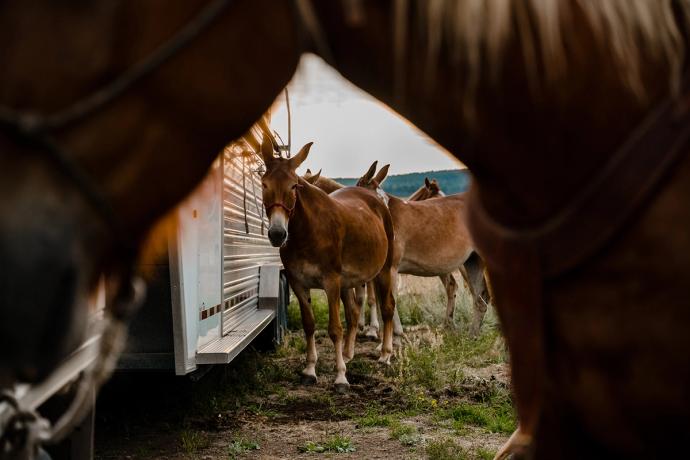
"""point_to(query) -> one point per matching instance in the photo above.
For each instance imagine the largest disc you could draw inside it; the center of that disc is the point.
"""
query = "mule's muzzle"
(277, 235)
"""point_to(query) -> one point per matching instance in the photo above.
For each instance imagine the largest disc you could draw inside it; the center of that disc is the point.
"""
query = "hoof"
(342, 388)
(385, 360)
(308, 379)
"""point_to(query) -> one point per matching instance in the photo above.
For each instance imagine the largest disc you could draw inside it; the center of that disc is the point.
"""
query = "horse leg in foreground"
(307, 315)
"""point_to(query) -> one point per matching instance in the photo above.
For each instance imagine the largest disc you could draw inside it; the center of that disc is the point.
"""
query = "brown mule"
(367, 291)
(432, 239)
(430, 189)
(331, 242)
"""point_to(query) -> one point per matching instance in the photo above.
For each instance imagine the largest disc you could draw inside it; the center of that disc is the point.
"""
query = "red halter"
(280, 205)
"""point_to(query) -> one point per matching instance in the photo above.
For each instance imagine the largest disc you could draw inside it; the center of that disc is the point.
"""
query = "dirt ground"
(435, 401)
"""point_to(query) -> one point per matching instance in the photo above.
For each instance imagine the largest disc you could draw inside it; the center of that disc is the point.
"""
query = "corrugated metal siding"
(245, 244)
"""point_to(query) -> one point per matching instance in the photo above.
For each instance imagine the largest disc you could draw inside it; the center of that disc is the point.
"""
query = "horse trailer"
(220, 285)
(217, 288)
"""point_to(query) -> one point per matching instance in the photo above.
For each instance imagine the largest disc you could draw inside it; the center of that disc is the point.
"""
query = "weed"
(192, 441)
(485, 454)
(494, 418)
(240, 446)
(445, 449)
(338, 444)
(374, 418)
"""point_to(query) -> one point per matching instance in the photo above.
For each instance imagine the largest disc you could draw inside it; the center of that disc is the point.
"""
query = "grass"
(496, 419)
(241, 446)
(192, 441)
(337, 444)
(373, 418)
(406, 434)
(445, 449)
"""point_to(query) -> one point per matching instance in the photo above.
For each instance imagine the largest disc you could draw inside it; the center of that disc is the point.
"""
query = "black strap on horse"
(522, 260)
(35, 129)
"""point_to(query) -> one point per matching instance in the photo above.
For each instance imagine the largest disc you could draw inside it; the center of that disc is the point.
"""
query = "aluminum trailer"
(221, 282)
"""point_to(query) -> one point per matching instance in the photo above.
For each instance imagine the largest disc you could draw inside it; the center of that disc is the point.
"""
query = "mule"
(430, 189)
(366, 291)
(432, 239)
(570, 114)
(333, 242)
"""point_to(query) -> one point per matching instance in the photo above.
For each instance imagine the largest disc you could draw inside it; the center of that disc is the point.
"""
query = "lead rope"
(27, 430)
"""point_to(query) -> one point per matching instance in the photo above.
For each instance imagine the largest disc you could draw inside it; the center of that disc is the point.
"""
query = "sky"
(349, 128)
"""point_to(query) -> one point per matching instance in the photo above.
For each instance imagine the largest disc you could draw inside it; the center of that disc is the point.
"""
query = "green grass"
(406, 434)
(241, 446)
(319, 305)
(337, 444)
(485, 454)
(373, 418)
(496, 418)
(192, 441)
(445, 449)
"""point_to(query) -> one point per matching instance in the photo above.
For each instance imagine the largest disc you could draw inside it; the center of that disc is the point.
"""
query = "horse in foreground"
(571, 114)
(334, 242)
(432, 239)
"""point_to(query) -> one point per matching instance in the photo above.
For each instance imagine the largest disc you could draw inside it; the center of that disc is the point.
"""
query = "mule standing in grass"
(328, 185)
(332, 242)
(432, 239)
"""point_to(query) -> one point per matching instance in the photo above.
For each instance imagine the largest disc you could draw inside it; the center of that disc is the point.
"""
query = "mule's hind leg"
(352, 313)
(474, 275)
(451, 287)
(385, 299)
(335, 331)
(373, 330)
(304, 299)
(360, 292)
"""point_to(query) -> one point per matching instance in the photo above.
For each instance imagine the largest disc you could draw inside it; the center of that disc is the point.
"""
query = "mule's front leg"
(352, 313)
(335, 330)
(304, 299)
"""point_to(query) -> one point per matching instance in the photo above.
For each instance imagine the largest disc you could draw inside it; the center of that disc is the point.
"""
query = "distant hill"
(404, 185)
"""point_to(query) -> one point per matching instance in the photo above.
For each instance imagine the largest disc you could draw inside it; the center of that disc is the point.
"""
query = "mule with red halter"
(335, 242)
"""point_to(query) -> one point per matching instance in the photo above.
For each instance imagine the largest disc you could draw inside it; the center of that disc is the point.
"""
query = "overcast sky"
(349, 128)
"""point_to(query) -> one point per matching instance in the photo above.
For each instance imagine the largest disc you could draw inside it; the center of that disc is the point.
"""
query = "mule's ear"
(312, 178)
(366, 178)
(427, 184)
(381, 176)
(301, 156)
(308, 173)
(267, 150)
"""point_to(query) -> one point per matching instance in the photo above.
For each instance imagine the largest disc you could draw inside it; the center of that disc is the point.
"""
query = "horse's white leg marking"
(397, 324)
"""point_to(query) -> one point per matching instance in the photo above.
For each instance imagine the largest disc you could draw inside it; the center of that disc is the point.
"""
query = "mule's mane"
(632, 32)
